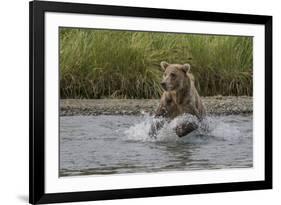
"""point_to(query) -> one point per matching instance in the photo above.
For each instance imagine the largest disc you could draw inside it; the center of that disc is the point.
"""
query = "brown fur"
(180, 95)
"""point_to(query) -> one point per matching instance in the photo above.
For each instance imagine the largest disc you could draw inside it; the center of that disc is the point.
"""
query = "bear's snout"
(164, 85)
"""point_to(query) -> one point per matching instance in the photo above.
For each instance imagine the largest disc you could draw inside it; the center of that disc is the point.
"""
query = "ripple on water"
(112, 144)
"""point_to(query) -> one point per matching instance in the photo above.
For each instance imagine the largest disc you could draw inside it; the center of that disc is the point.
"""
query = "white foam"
(140, 131)
(218, 127)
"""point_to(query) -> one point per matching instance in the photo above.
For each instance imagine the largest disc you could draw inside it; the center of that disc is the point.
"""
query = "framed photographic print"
(130, 102)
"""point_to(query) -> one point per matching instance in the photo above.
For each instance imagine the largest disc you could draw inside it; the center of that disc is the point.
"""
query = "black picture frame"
(37, 194)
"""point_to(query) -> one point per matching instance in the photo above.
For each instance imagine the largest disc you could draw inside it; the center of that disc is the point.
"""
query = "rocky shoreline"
(218, 105)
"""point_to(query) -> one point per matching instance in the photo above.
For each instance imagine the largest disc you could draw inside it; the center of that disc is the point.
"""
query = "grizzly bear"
(179, 97)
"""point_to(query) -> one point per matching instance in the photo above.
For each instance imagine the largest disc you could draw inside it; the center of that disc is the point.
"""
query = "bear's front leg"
(155, 126)
(185, 128)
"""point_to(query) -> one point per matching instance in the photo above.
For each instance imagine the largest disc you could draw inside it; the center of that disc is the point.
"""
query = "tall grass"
(124, 64)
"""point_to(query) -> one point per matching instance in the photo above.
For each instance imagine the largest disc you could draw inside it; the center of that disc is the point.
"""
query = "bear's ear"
(186, 67)
(164, 65)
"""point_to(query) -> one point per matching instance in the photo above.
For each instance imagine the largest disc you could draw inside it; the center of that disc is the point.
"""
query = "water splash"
(140, 131)
(211, 128)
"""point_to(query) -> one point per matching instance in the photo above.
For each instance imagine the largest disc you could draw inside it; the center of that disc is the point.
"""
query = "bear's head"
(175, 76)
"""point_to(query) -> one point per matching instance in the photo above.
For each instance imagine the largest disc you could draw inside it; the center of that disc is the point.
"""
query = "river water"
(114, 144)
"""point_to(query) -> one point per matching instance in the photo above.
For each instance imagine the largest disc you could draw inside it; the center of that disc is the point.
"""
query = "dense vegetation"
(124, 64)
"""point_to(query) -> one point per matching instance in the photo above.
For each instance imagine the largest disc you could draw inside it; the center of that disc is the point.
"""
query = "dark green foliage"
(124, 64)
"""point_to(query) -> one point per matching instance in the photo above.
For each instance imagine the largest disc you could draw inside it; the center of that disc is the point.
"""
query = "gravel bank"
(214, 105)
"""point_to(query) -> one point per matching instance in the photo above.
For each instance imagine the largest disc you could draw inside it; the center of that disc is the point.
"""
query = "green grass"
(124, 64)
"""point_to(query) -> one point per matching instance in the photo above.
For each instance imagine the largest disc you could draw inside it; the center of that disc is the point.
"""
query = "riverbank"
(219, 105)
